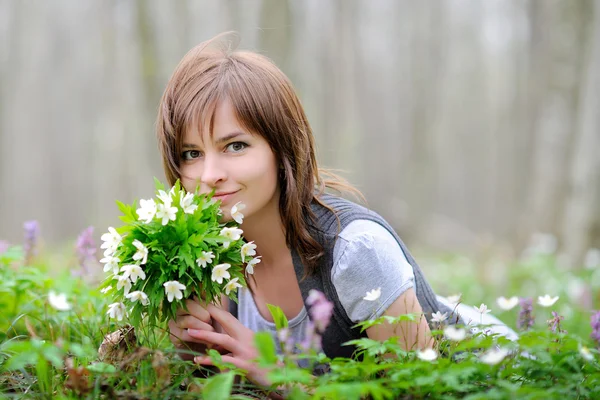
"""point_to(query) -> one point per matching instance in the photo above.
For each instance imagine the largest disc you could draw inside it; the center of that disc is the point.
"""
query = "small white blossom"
(232, 234)
(133, 272)
(187, 203)
(139, 296)
(586, 353)
(373, 295)
(455, 334)
(111, 263)
(117, 311)
(167, 213)
(123, 282)
(248, 250)
(232, 285)
(439, 317)
(507, 304)
(493, 356)
(547, 300)
(165, 197)
(220, 272)
(142, 252)
(58, 301)
(147, 210)
(454, 299)
(427, 354)
(106, 290)
(236, 212)
(482, 309)
(250, 265)
(174, 289)
(111, 240)
(205, 258)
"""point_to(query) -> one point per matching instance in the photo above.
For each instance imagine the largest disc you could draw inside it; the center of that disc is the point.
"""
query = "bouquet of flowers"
(172, 248)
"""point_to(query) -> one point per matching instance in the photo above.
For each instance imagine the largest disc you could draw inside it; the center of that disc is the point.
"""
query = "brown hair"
(265, 103)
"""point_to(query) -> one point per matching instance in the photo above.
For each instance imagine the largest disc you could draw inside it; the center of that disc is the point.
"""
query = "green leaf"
(158, 184)
(102, 368)
(219, 386)
(279, 317)
(266, 348)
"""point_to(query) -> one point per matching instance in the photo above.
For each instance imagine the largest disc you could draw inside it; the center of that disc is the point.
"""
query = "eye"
(236, 147)
(190, 154)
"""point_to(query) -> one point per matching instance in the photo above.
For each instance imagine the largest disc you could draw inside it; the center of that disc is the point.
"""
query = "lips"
(224, 196)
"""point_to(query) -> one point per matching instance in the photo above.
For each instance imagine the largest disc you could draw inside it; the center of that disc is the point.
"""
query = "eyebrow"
(224, 139)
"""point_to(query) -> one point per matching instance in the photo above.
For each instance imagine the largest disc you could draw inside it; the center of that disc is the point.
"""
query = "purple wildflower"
(32, 233)
(320, 311)
(526, 317)
(86, 250)
(554, 323)
(312, 339)
(4, 245)
(595, 322)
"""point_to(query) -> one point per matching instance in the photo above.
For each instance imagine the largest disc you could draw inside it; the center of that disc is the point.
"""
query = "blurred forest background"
(470, 125)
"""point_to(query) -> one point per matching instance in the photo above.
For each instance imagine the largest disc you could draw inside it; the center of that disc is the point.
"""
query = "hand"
(196, 317)
(236, 339)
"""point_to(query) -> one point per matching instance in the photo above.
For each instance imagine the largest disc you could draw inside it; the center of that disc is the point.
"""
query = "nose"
(213, 171)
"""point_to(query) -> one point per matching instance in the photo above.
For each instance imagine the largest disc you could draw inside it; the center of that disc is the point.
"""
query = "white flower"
(147, 210)
(373, 294)
(586, 353)
(205, 258)
(439, 317)
(236, 212)
(249, 249)
(507, 304)
(167, 213)
(454, 299)
(493, 356)
(547, 300)
(105, 290)
(232, 285)
(111, 263)
(174, 289)
(117, 311)
(142, 252)
(220, 272)
(456, 334)
(111, 240)
(123, 282)
(427, 354)
(250, 265)
(482, 309)
(187, 203)
(232, 234)
(58, 301)
(139, 296)
(165, 197)
(133, 272)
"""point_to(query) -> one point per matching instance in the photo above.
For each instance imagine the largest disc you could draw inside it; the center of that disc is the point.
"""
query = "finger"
(241, 364)
(228, 322)
(189, 321)
(219, 339)
(196, 309)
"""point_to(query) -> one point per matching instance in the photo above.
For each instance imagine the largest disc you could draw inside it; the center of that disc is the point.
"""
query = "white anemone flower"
(232, 234)
(232, 285)
(147, 210)
(124, 283)
(111, 240)
(482, 309)
(106, 290)
(140, 296)
(547, 300)
(220, 272)
(187, 203)
(439, 317)
(586, 353)
(493, 356)
(507, 304)
(236, 212)
(58, 301)
(174, 289)
(454, 333)
(248, 250)
(117, 311)
(454, 299)
(165, 197)
(373, 295)
(167, 213)
(111, 263)
(250, 265)
(133, 272)
(142, 252)
(205, 258)
(427, 354)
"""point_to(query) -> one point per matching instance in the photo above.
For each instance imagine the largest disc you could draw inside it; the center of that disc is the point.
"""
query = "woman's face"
(238, 165)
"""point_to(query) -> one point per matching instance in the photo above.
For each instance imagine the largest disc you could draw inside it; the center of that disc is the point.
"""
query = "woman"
(230, 121)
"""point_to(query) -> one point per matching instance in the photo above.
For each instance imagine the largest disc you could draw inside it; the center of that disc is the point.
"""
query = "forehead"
(214, 123)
